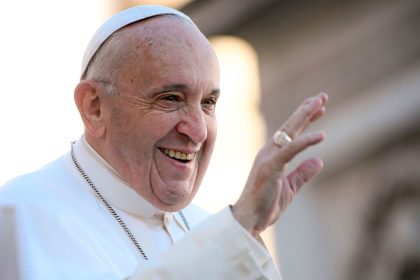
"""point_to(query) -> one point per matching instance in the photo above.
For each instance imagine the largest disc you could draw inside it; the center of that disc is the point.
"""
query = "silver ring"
(281, 138)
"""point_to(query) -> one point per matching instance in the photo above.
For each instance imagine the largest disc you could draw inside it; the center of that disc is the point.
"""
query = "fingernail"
(323, 96)
(319, 135)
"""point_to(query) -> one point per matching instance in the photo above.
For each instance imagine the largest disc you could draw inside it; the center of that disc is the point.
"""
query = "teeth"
(178, 154)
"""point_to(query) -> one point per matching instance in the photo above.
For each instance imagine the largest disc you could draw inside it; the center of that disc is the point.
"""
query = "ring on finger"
(281, 138)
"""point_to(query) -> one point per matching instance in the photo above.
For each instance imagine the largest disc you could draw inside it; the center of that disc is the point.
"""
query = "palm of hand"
(270, 189)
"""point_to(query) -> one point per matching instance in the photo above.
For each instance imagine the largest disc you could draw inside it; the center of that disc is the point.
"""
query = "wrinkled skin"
(269, 188)
(167, 88)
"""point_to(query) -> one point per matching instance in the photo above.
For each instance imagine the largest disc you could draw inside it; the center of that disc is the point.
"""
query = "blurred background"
(360, 218)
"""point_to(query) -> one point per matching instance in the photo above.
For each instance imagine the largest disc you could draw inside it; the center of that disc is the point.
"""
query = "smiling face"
(160, 127)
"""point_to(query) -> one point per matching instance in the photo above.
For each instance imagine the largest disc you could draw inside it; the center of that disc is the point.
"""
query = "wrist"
(244, 220)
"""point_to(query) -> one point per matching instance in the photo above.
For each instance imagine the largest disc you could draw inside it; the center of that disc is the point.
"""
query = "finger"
(318, 114)
(304, 172)
(310, 110)
(289, 151)
(324, 98)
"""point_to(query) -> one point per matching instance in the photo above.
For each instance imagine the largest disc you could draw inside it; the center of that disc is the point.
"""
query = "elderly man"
(117, 206)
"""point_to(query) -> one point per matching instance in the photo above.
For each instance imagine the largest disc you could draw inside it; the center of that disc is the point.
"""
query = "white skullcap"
(120, 20)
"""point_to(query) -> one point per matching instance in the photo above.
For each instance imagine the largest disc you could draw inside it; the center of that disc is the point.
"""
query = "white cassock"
(53, 226)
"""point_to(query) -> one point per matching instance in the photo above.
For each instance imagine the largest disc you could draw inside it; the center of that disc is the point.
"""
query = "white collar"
(112, 187)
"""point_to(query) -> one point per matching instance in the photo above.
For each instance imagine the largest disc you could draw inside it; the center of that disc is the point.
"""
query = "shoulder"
(36, 186)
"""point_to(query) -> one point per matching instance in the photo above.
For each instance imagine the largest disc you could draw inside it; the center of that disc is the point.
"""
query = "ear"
(88, 97)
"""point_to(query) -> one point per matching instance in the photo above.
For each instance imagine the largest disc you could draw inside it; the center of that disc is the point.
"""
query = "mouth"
(178, 155)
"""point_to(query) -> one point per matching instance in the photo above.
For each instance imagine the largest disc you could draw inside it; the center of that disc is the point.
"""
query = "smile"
(178, 155)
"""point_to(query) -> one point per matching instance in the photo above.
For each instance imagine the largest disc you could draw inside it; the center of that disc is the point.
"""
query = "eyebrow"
(215, 92)
(180, 87)
(172, 87)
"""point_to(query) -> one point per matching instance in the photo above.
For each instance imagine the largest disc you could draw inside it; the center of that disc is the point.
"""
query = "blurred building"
(360, 219)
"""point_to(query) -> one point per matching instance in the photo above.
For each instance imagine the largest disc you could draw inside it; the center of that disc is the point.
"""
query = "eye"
(171, 97)
(169, 102)
(209, 101)
(209, 104)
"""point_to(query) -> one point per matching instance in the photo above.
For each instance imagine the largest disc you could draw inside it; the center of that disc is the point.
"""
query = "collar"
(112, 187)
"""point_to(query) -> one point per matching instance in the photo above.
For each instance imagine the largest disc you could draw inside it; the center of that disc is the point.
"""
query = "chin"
(173, 206)
(173, 202)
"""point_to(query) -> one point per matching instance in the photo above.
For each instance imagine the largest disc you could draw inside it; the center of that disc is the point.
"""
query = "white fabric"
(52, 226)
(120, 20)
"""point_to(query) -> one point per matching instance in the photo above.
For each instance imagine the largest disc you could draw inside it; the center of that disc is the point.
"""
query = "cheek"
(159, 125)
(211, 130)
(125, 132)
(147, 130)
(210, 143)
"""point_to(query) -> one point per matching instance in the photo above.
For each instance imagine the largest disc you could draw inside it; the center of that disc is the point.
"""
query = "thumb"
(305, 171)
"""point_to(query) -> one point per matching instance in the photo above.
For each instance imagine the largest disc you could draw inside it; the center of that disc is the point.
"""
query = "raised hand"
(269, 188)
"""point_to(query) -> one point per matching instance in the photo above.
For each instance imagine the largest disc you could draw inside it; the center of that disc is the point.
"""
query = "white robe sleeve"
(218, 248)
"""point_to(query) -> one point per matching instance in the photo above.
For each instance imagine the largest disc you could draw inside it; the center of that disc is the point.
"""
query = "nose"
(193, 124)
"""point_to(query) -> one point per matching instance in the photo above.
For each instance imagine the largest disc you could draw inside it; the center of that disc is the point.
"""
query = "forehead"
(166, 35)
(166, 47)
